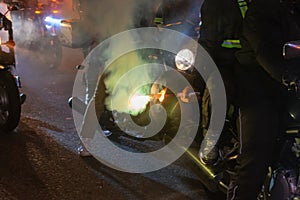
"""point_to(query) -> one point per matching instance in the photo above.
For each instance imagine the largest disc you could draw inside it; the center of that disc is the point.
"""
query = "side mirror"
(291, 49)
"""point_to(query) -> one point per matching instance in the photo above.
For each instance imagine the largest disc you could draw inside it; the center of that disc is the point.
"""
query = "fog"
(105, 19)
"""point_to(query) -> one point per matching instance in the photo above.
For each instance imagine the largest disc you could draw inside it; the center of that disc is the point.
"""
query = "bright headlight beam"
(52, 20)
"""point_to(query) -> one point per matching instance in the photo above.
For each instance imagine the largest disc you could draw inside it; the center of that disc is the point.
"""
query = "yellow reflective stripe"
(158, 20)
(231, 44)
(243, 7)
(236, 43)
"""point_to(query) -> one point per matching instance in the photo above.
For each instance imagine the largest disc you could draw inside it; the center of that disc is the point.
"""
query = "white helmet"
(184, 59)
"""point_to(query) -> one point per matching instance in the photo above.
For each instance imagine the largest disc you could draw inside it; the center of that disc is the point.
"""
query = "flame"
(138, 102)
(162, 95)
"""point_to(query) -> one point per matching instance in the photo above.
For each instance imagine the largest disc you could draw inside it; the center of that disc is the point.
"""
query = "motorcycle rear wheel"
(10, 104)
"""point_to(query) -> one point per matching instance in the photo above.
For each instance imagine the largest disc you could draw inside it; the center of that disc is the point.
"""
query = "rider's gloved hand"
(188, 95)
(184, 94)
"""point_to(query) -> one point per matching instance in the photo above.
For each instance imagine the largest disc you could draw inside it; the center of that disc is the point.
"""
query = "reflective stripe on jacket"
(233, 43)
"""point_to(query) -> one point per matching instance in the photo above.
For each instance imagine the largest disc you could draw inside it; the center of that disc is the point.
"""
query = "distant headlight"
(52, 20)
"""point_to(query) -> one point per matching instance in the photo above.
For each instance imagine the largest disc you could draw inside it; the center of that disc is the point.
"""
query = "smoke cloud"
(108, 18)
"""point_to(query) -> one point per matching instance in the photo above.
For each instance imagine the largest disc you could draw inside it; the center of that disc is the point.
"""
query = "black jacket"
(267, 26)
(221, 20)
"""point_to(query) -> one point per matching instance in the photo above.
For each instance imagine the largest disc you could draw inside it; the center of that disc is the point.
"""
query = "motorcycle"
(10, 97)
(38, 31)
(283, 180)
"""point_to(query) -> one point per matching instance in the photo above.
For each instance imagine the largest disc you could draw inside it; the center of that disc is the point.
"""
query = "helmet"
(185, 59)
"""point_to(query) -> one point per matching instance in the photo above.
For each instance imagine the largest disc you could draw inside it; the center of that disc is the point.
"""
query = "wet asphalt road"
(39, 160)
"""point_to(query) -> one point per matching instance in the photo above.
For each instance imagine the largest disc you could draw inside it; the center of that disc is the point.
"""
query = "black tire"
(53, 51)
(10, 105)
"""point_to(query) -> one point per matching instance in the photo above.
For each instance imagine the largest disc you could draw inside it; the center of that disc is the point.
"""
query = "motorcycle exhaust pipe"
(209, 178)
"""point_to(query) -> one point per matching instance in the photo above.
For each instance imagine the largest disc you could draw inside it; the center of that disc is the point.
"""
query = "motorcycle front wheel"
(10, 104)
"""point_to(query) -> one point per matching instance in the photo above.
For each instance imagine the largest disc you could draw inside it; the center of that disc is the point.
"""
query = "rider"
(267, 26)
(219, 35)
(184, 62)
(91, 23)
(99, 26)
(7, 25)
(91, 20)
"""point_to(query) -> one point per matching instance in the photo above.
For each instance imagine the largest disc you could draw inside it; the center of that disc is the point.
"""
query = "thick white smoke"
(111, 17)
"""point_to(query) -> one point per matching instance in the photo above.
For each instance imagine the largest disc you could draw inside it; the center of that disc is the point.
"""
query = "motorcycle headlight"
(52, 20)
(185, 59)
(55, 11)
(38, 12)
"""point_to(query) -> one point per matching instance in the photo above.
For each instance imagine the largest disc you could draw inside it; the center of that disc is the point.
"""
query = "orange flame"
(162, 94)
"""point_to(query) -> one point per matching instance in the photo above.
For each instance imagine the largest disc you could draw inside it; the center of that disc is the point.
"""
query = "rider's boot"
(209, 158)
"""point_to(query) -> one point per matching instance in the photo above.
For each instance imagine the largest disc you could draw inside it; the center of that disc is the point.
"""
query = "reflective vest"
(231, 43)
(158, 20)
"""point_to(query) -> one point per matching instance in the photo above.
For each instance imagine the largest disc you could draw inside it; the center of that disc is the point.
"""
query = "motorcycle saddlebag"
(72, 33)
